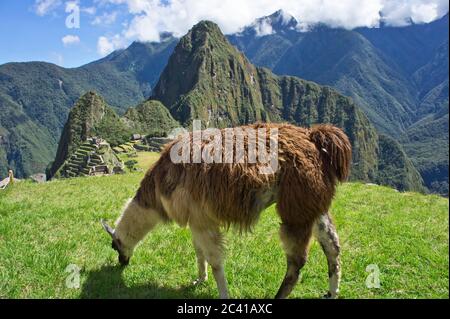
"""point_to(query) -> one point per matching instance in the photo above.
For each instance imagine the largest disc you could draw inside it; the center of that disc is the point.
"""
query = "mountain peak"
(204, 33)
(282, 16)
(90, 116)
(89, 100)
(278, 22)
(207, 78)
(206, 26)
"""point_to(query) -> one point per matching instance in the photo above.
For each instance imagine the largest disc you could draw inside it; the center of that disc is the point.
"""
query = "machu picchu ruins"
(94, 157)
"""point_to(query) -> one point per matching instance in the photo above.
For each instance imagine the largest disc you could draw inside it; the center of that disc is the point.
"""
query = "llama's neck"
(134, 223)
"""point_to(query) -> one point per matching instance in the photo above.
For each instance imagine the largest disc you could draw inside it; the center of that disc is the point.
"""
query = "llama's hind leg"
(202, 264)
(325, 232)
(210, 241)
(296, 244)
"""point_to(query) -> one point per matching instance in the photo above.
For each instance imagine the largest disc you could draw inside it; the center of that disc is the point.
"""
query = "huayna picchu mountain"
(209, 79)
(89, 117)
(92, 119)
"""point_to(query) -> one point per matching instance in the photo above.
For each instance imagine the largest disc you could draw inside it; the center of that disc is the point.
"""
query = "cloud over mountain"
(151, 17)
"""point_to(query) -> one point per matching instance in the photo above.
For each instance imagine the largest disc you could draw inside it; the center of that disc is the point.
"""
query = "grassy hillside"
(46, 227)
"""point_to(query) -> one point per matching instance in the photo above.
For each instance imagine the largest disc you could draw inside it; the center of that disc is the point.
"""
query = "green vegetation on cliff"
(207, 78)
(150, 118)
(395, 169)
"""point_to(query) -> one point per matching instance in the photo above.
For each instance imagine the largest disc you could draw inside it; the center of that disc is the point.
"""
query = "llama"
(210, 198)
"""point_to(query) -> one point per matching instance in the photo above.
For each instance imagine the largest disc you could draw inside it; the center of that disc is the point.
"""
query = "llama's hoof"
(198, 281)
(329, 295)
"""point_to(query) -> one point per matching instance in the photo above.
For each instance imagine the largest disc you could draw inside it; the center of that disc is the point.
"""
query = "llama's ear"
(108, 228)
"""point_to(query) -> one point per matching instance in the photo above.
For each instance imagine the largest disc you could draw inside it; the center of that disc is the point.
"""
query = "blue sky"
(36, 30)
(26, 35)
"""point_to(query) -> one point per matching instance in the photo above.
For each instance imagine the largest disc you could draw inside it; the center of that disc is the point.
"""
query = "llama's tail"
(335, 149)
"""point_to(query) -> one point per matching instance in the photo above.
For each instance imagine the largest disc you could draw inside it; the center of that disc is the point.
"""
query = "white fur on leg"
(325, 233)
(219, 276)
(210, 243)
(334, 284)
(202, 265)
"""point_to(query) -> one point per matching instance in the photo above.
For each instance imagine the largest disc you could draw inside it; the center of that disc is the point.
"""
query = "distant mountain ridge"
(357, 62)
(398, 75)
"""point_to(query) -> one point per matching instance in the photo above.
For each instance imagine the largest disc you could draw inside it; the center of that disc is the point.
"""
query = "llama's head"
(131, 227)
(117, 245)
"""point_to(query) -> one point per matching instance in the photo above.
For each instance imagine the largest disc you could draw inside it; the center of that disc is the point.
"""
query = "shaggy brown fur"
(311, 161)
(209, 196)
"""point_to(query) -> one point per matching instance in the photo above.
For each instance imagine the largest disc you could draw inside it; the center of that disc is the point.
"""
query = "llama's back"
(236, 193)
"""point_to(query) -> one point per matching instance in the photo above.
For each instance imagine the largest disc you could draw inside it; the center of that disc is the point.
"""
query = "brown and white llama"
(211, 197)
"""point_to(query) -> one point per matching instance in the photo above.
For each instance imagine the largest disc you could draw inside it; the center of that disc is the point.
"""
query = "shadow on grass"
(107, 283)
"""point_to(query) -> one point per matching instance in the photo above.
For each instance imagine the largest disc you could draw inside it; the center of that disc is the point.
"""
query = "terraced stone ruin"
(94, 157)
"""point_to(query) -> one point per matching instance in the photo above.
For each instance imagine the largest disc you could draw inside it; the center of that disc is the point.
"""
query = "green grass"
(144, 159)
(46, 227)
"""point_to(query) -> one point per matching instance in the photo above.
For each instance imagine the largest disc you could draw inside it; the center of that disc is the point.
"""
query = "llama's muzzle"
(123, 260)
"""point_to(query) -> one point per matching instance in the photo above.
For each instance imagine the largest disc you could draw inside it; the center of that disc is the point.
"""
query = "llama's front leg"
(202, 264)
(325, 232)
(211, 244)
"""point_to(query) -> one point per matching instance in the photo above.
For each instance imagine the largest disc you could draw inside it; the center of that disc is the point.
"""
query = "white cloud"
(105, 18)
(89, 10)
(263, 28)
(107, 45)
(400, 13)
(72, 5)
(42, 7)
(104, 46)
(70, 40)
(151, 17)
